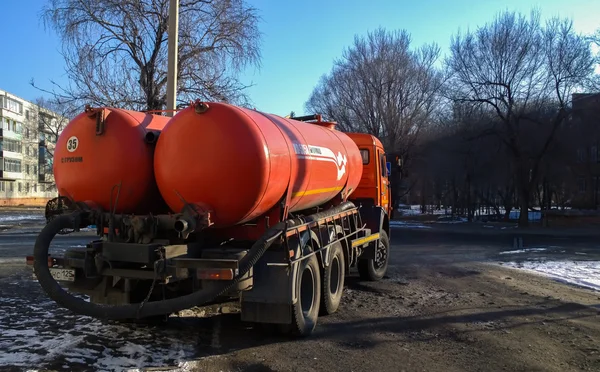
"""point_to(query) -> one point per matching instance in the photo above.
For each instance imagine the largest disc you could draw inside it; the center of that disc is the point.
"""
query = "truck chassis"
(148, 266)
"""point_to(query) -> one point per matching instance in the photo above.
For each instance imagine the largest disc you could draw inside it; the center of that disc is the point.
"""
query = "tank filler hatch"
(316, 119)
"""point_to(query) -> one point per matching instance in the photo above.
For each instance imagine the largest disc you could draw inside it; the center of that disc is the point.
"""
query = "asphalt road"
(445, 305)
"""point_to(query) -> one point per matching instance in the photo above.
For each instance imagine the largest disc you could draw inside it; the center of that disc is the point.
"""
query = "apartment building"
(26, 143)
(586, 167)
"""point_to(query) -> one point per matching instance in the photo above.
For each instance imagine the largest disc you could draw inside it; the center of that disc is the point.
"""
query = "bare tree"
(40, 133)
(526, 72)
(116, 51)
(381, 86)
(53, 117)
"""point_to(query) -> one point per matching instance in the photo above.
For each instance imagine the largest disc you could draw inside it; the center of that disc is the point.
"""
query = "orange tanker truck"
(269, 211)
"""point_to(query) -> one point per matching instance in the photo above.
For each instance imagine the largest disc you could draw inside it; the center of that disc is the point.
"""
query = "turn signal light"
(215, 274)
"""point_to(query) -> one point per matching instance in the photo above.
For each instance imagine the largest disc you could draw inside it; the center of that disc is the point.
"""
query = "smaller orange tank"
(107, 153)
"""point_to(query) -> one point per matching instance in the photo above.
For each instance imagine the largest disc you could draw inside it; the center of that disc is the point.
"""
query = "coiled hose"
(133, 311)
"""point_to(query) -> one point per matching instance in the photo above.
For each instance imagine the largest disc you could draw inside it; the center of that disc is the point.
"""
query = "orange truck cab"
(374, 185)
(373, 196)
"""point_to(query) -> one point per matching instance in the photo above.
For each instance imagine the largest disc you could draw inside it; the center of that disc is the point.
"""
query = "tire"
(332, 286)
(305, 311)
(374, 269)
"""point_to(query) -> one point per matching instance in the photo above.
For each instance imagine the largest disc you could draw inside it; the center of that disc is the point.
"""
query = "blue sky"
(301, 39)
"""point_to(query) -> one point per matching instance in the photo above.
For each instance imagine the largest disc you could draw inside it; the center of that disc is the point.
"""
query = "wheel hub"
(380, 255)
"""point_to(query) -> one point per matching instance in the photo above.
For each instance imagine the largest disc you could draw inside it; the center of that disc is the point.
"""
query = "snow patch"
(524, 250)
(35, 332)
(21, 217)
(408, 225)
(12, 260)
(451, 220)
(582, 273)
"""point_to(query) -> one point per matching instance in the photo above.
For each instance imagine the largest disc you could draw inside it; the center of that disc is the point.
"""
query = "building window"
(19, 186)
(2, 186)
(11, 186)
(581, 155)
(41, 187)
(12, 165)
(27, 168)
(26, 187)
(13, 105)
(594, 154)
(35, 169)
(35, 187)
(10, 145)
(581, 184)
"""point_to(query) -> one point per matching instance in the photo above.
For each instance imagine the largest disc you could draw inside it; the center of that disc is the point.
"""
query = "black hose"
(132, 311)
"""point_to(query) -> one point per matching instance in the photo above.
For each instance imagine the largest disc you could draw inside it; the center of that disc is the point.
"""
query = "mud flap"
(272, 295)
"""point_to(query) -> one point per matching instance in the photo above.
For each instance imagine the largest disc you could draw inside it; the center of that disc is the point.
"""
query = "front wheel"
(374, 269)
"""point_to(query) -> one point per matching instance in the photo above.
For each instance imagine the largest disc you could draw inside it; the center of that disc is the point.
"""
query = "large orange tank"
(240, 162)
(103, 148)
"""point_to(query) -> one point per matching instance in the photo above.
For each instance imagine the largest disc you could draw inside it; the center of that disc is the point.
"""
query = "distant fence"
(554, 217)
(571, 218)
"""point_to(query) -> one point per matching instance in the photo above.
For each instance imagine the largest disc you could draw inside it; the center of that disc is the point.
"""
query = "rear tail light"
(215, 274)
(29, 261)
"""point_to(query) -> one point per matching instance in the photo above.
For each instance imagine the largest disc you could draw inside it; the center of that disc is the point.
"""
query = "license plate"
(65, 275)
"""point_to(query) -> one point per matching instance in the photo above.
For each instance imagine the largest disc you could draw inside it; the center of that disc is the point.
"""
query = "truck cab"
(374, 187)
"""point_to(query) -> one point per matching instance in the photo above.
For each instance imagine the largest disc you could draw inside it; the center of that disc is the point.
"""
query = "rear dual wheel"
(333, 280)
(319, 291)
(305, 311)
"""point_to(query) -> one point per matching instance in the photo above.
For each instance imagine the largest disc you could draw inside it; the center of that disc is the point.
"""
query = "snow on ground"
(525, 250)
(582, 273)
(6, 218)
(451, 220)
(33, 334)
(415, 210)
(408, 225)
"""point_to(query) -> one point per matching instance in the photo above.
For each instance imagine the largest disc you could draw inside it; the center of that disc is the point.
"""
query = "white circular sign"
(72, 144)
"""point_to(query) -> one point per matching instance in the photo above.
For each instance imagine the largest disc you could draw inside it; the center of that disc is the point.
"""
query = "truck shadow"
(226, 333)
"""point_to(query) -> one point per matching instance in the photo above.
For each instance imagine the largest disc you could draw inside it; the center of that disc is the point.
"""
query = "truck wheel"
(306, 310)
(333, 280)
(374, 269)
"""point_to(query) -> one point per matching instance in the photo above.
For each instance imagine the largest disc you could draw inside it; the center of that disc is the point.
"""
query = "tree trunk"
(524, 206)
(468, 200)
(454, 198)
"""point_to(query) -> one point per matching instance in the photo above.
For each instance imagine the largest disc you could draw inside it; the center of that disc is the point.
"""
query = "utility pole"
(172, 52)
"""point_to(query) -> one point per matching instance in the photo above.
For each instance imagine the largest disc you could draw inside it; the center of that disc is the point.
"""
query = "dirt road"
(445, 306)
